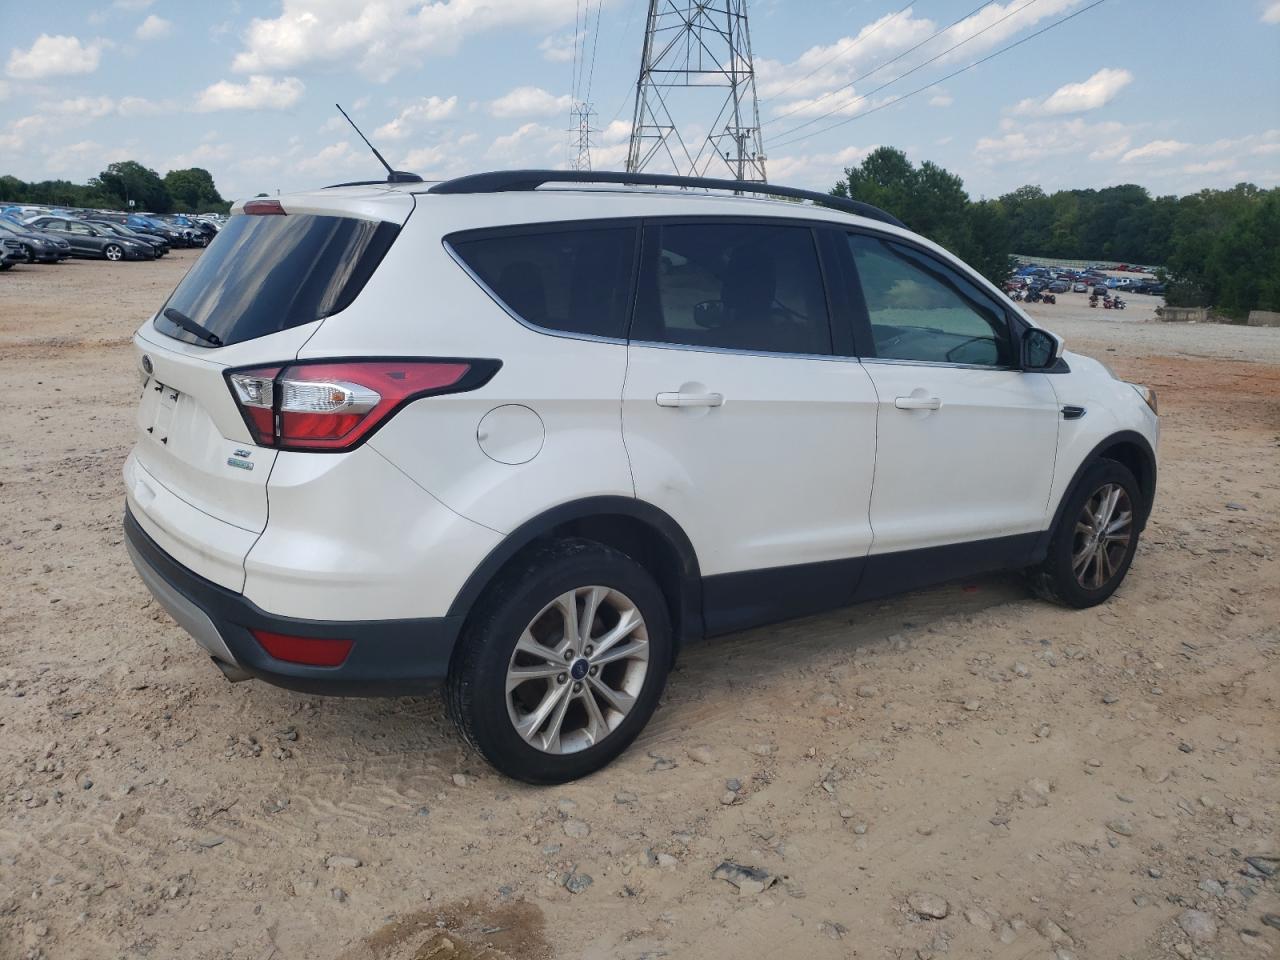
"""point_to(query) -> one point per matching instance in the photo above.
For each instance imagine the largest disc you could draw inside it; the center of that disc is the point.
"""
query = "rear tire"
(594, 706)
(1095, 540)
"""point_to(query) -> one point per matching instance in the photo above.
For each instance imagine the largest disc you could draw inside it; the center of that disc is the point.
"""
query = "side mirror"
(1040, 349)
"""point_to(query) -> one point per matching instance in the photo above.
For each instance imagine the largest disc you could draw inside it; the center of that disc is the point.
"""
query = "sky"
(1175, 95)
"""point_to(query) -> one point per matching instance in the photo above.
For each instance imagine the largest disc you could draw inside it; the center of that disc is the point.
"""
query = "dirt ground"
(1059, 784)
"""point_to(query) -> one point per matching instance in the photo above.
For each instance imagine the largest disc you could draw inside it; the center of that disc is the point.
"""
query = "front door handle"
(918, 403)
(690, 399)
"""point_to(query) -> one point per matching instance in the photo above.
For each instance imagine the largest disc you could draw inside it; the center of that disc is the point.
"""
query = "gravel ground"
(962, 772)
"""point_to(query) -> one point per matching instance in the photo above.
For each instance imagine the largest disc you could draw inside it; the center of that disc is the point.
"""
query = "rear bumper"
(388, 657)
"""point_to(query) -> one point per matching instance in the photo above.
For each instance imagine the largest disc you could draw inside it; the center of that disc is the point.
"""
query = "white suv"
(528, 433)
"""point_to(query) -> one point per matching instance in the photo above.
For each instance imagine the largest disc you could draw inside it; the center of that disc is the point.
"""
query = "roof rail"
(501, 181)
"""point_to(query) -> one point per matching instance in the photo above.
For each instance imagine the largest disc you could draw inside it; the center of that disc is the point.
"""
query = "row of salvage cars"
(51, 238)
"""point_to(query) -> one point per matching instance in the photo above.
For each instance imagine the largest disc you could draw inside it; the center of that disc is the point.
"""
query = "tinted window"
(921, 309)
(746, 286)
(575, 281)
(263, 274)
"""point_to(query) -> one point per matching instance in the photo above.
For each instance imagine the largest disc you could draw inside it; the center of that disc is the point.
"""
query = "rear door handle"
(918, 403)
(690, 399)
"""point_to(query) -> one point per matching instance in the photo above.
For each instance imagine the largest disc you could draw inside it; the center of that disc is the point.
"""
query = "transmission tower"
(697, 56)
(580, 125)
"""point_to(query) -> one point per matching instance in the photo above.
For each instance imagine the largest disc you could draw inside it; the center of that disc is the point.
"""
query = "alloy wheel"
(1103, 533)
(577, 670)
(113, 252)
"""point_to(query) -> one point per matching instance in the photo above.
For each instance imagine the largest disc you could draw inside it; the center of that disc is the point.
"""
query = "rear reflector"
(311, 651)
(264, 208)
(334, 405)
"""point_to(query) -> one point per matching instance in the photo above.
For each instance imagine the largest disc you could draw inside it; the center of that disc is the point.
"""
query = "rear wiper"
(189, 325)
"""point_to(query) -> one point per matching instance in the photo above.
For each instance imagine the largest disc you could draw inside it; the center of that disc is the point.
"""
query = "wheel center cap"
(578, 669)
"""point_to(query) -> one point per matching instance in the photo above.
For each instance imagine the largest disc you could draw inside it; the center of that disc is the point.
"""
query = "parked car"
(159, 244)
(1080, 287)
(1059, 286)
(11, 252)
(188, 229)
(617, 429)
(38, 247)
(1154, 289)
(95, 242)
(143, 224)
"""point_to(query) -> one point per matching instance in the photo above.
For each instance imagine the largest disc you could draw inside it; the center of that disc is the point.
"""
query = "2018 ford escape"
(526, 434)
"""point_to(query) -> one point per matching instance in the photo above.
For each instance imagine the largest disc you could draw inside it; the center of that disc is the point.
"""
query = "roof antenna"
(393, 176)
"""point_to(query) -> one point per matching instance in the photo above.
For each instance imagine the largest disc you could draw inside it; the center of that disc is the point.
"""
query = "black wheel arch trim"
(592, 508)
(1094, 455)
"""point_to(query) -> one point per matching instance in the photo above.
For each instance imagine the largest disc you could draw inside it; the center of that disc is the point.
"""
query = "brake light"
(264, 207)
(312, 651)
(335, 405)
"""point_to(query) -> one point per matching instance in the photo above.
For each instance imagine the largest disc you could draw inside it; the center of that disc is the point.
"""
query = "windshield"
(263, 274)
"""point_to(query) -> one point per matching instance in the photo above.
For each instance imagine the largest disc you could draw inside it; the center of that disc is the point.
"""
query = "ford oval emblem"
(146, 365)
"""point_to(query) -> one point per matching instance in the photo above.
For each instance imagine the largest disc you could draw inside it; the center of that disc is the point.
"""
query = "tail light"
(336, 405)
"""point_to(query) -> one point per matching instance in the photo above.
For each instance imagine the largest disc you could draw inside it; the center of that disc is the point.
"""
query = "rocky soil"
(964, 772)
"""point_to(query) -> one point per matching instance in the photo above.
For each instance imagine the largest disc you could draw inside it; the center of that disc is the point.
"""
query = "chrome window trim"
(940, 363)
(545, 331)
(735, 351)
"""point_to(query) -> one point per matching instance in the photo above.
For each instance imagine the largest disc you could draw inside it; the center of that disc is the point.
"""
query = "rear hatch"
(196, 480)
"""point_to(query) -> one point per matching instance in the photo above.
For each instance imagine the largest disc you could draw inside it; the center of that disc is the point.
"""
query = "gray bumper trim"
(188, 616)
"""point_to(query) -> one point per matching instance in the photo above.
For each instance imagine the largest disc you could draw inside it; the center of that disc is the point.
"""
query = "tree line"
(179, 191)
(1217, 248)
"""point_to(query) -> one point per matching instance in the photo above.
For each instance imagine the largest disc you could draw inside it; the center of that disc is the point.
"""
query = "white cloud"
(561, 47)
(1271, 13)
(54, 56)
(202, 155)
(823, 67)
(335, 157)
(525, 142)
(1210, 166)
(4, 90)
(941, 99)
(259, 93)
(380, 39)
(1099, 90)
(816, 170)
(529, 102)
(427, 110)
(1025, 141)
(153, 28)
(1155, 150)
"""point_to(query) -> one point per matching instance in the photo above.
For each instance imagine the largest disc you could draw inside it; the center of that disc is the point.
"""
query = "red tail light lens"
(264, 207)
(312, 651)
(334, 405)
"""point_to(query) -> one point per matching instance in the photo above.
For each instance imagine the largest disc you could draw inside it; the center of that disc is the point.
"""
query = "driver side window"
(753, 287)
(920, 309)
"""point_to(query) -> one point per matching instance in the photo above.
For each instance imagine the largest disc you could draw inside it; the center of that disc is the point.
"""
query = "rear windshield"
(263, 274)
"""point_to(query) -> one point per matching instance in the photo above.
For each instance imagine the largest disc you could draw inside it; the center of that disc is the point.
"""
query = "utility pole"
(697, 65)
(580, 123)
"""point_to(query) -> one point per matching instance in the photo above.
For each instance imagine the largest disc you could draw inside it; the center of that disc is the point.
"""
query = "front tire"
(113, 252)
(1095, 540)
(562, 662)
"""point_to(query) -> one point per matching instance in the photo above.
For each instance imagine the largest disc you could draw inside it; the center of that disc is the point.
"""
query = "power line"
(903, 76)
(956, 73)
(878, 68)
(595, 42)
(839, 54)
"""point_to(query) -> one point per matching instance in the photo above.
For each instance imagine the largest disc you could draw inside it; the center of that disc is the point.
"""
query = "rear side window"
(264, 274)
(745, 286)
(574, 280)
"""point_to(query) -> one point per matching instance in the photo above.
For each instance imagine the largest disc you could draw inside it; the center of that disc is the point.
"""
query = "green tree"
(192, 190)
(932, 201)
(129, 180)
